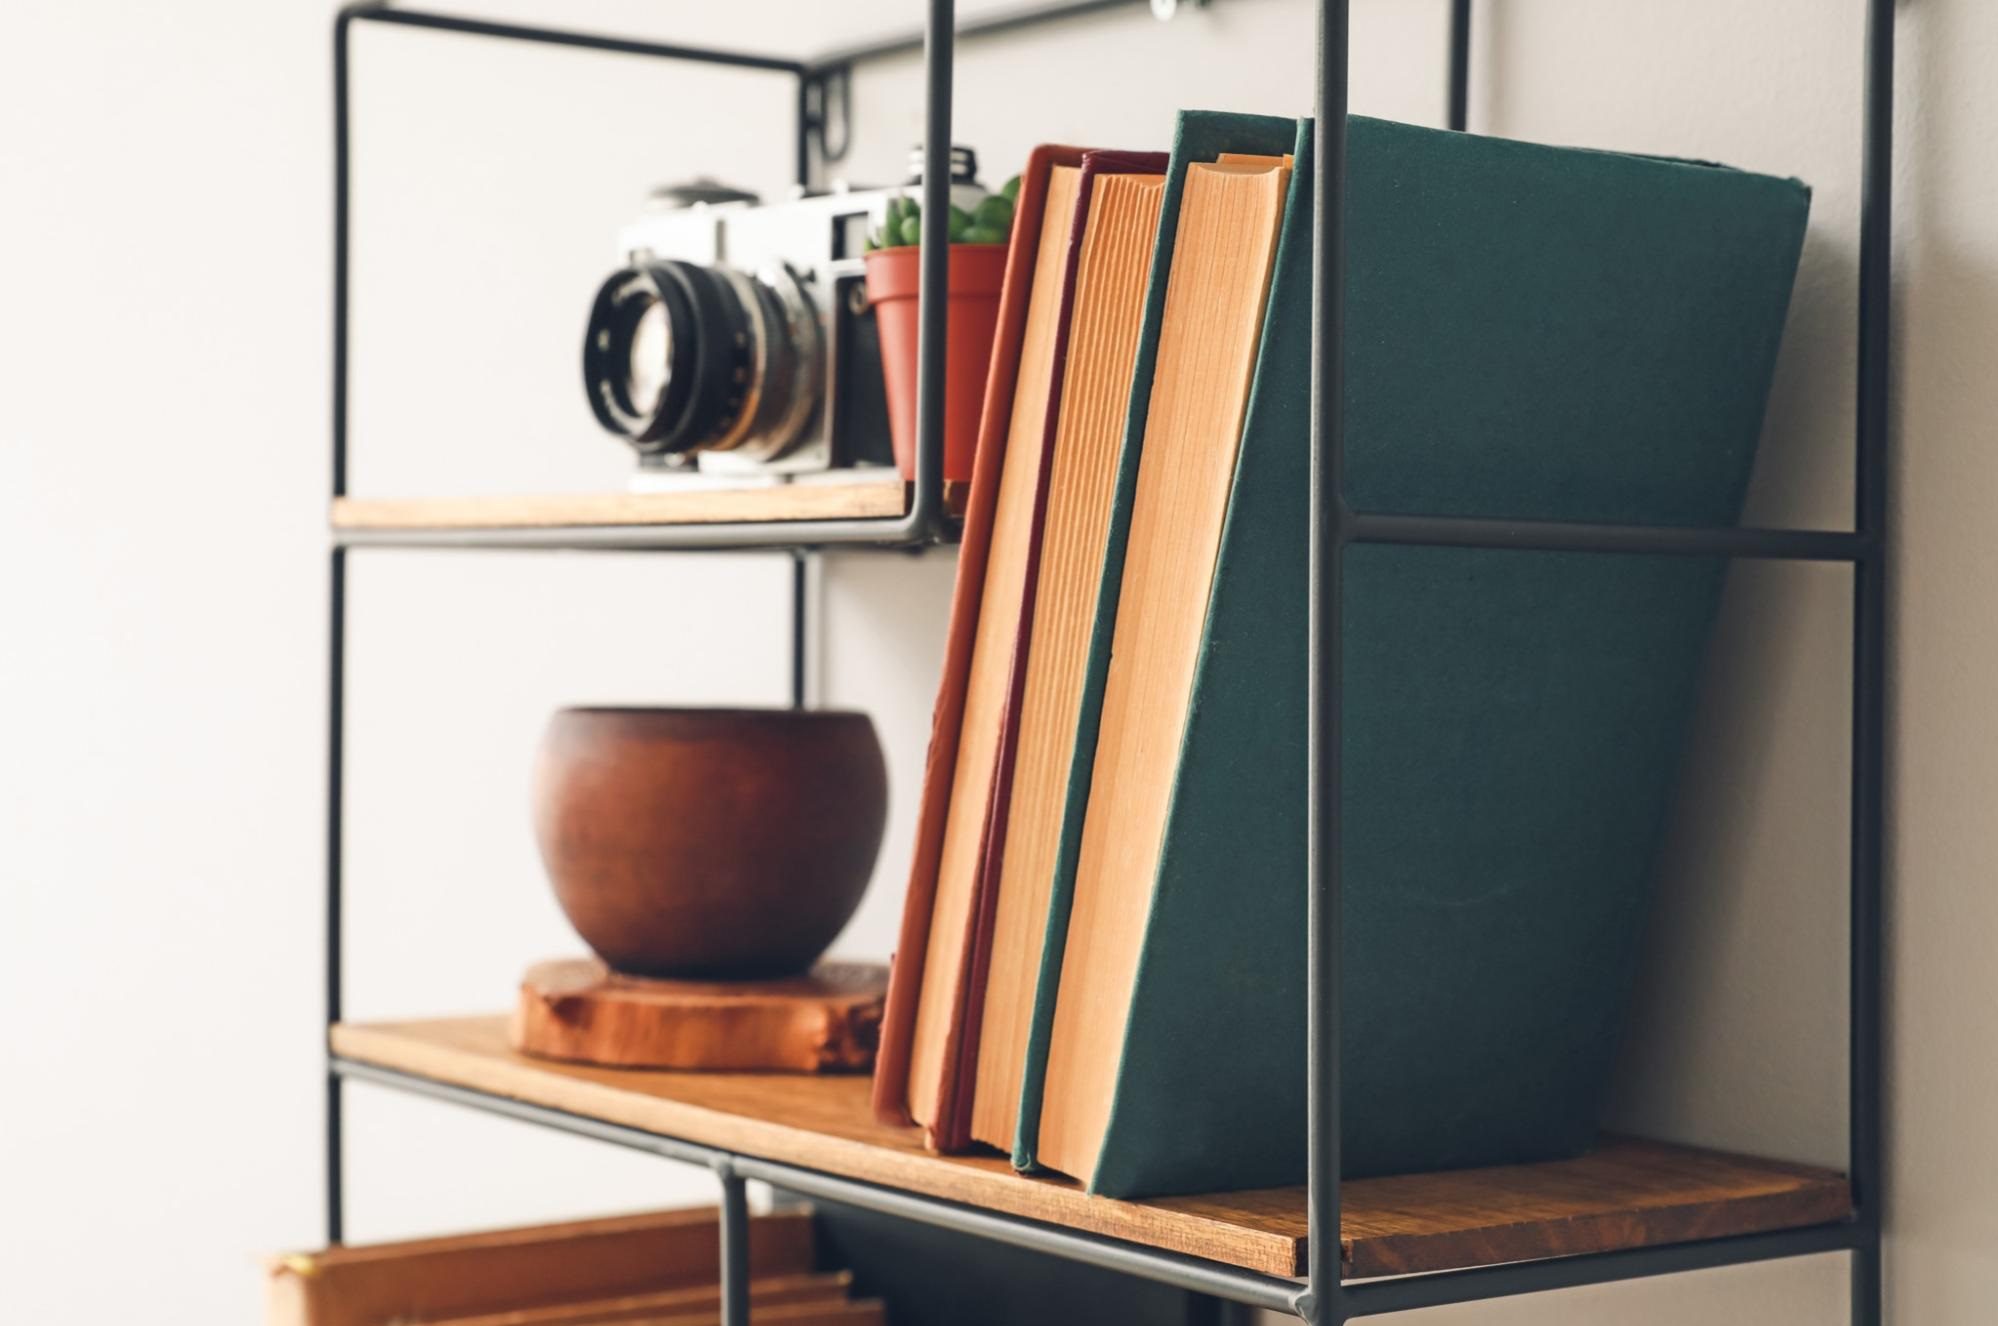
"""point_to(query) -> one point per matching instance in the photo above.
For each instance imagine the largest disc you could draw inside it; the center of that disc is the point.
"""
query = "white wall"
(166, 186)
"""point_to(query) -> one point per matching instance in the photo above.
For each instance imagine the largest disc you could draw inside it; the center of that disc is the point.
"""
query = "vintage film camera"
(736, 338)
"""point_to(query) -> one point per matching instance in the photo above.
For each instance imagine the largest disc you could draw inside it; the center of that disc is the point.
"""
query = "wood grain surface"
(1625, 1194)
(826, 1021)
(866, 497)
(884, 497)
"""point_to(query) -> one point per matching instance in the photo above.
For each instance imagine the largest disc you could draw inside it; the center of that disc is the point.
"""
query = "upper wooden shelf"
(869, 497)
(1626, 1194)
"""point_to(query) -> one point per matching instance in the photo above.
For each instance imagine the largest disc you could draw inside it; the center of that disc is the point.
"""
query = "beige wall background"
(164, 278)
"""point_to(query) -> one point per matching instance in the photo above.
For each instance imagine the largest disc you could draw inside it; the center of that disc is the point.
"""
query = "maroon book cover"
(905, 982)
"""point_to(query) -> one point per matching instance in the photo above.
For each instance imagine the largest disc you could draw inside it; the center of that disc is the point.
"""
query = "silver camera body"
(736, 339)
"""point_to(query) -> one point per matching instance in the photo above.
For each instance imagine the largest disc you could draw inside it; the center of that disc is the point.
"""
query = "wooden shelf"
(1626, 1194)
(881, 497)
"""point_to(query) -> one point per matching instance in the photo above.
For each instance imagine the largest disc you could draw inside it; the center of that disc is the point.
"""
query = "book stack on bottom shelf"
(656, 1269)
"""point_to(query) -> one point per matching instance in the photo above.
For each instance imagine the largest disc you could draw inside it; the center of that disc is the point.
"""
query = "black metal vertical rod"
(1325, 1299)
(803, 165)
(336, 706)
(1869, 1292)
(342, 24)
(1460, 64)
(939, 50)
(801, 627)
(336, 641)
(1869, 626)
(734, 1248)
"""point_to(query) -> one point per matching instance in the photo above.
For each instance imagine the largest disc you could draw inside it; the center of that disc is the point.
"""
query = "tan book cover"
(859, 1312)
(498, 1270)
(941, 1001)
(1209, 336)
(767, 1293)
(1113, 268)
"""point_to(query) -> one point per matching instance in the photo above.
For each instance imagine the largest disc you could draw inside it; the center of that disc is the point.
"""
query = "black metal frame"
(1322, 1297)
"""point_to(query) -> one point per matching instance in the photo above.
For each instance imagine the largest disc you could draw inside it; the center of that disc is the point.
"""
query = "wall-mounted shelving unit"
(1628, 1210)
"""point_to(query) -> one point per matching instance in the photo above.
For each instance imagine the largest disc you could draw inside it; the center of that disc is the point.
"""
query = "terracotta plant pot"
(976, 273)
(709, 843)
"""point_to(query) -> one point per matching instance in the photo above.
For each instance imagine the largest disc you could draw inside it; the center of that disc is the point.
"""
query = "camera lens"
(666, 356)
(645, 375)
(682, 358)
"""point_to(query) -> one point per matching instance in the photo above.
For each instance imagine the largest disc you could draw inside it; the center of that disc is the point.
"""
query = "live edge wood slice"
(1626, 1194)
(577, 1009)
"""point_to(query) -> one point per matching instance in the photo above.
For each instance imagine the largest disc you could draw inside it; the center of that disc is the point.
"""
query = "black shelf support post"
(1323, 1300)
(1869, 664)
(1459, 114)
(803, 625)
(336, 632)
(734, 1245)
(932, 291)
(335, 752)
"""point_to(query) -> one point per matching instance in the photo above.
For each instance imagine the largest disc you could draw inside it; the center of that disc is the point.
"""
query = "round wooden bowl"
(724, 844)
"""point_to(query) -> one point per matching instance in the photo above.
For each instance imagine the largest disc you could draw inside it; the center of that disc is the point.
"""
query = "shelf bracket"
(825, 114)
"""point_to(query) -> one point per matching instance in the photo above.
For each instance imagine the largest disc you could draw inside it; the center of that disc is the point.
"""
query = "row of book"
(653, 1269)
(1101, 968)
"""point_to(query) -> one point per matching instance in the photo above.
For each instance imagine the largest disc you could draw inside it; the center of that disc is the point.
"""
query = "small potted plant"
(978, 245)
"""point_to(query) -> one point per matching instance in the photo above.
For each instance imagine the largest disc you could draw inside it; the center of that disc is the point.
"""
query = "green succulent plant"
(991, 222)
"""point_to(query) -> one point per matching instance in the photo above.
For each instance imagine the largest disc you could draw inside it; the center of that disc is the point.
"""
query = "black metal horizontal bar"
(1374, 1297)
(1272, 1293)
(898, 535)
(1806, 545)
(1247, 1287)
(416, 18)
(989, 25)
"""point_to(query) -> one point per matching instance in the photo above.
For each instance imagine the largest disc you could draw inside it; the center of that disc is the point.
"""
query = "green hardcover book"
(1533, 332)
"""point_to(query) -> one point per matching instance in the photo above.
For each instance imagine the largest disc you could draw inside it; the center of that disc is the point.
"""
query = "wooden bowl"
(709, 843)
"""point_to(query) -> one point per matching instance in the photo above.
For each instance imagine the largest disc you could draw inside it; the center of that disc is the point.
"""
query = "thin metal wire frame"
(1323, 1298)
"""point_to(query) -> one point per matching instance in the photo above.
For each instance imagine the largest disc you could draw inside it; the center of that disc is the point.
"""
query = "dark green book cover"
(1536, 332)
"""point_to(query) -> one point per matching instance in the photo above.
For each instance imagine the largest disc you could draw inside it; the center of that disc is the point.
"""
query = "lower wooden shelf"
(1625, 1194)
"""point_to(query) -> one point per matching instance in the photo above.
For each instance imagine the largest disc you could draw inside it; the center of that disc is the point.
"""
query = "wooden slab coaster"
(579, 1010)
